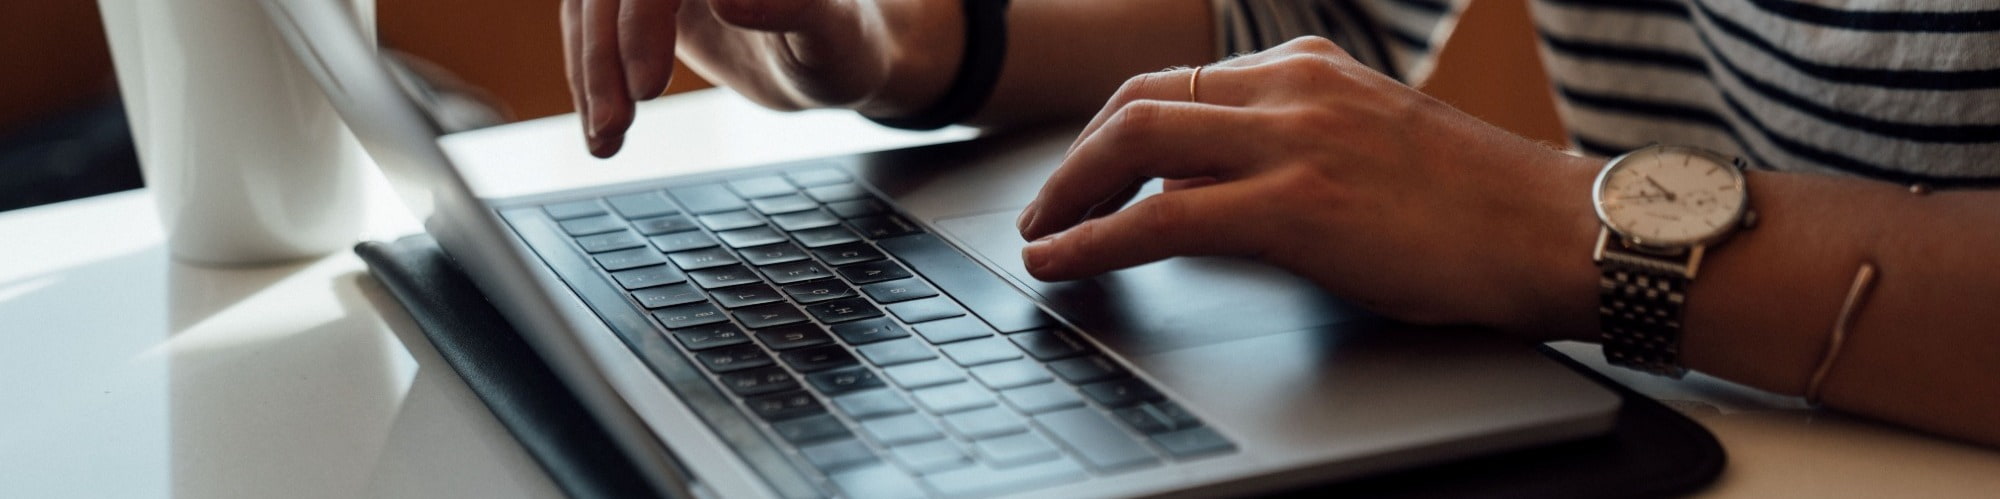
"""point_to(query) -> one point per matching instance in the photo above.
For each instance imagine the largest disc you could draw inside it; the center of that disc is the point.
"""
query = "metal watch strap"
(1640, 313)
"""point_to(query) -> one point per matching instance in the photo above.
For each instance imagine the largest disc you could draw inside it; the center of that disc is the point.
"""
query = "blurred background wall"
(63, 135)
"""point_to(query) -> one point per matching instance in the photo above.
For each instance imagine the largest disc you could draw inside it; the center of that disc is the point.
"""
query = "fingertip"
(604, 147)
(1038, 257)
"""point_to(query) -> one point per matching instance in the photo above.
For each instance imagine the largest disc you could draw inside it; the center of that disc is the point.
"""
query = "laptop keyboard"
(889, 361)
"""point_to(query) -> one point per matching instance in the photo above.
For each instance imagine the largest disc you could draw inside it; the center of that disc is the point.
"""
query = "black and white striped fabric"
(1905, 91)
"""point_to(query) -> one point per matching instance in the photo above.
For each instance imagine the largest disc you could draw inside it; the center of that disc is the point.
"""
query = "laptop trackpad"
(1169, 305)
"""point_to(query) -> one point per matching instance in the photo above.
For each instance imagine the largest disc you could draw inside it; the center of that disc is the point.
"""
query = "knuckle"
(1313, 44)
(1135, 119)
(1161, 215)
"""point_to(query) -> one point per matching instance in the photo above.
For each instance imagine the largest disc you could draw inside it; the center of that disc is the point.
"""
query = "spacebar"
(978, 289)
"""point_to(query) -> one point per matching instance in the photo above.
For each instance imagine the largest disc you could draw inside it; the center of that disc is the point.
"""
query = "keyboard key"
(759, 381)
(1121, 392)
(876, 271)
(783, 204)
(642, 205)
(848, 253)
(954, 397)
(898, 290)
(1015, 450)
(760, 187)
(623, 239)
(708, 198)
(689, 315)
(592, 225)
(1193, 442)
(730, 220)
(896, 352)
(682, 241)
(928, 457)
(1145, 418)
(818, 358)
(986, 294)
(869, 331)
(843, 310)
(793, 336)
(574, 209)
(872, 403)
(647, 277)
(876, 481)
(1041, 398)
(904, 429)
(980, 351)
(708, 336)
(723, 277)
(769, 315)
(706, 258)
(754, 236)
(950, 330)
(843, 381)
(1095, 439)
(629, 259)
(733, 358)
(927, 310)
(1048, 344)
(985, 423)
(810, 429)
(923, 374)
(1175, 415)
(883, 226)
(836, 192)
(856, 208)
(818, 291)
(825, 236)
(792, 272)
(817, 177)
(1086, 369)
(781, 406)
(1012, 374)
(803, 220)
(747, 295)
(837, 454)
(667, 296)
(984, 480)
(664, 225)
(776, 253)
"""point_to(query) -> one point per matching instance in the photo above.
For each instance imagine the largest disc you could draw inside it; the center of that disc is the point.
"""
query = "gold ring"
(1194, 82)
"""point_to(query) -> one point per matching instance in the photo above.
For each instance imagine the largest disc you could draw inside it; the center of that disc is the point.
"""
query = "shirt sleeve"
(1392, 36)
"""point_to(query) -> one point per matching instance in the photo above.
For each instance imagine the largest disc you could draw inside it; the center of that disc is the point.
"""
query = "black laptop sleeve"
(1653, 452)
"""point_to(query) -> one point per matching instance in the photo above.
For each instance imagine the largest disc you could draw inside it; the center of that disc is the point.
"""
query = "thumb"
(1181, 223)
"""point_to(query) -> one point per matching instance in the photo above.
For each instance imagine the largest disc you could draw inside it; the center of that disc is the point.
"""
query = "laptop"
(861, 326)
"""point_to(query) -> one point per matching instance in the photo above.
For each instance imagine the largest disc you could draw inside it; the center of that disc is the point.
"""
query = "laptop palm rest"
(1295, 372)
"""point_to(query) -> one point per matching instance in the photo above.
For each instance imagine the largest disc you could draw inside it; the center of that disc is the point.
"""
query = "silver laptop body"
(1195, 376)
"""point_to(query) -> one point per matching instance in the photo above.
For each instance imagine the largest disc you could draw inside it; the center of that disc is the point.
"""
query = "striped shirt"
(1905, 91)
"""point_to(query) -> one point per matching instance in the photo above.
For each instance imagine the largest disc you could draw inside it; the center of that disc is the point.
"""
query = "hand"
(1304, 158)
(885, 57)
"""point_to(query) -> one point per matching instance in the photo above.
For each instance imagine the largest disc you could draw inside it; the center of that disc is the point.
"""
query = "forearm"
(1920, 351)
(1065, 57)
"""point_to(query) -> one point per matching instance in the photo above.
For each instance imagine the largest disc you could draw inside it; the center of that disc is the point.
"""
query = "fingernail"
(1026, 219)
(598, 118)
(1036, 254)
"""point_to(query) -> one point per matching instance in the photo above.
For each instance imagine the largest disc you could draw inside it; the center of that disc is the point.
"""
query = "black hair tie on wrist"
(978, 70)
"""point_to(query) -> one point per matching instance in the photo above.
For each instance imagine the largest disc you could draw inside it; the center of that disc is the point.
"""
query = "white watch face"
(1670, 196)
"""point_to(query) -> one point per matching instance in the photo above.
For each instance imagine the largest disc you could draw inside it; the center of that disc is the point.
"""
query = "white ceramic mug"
(249, 163)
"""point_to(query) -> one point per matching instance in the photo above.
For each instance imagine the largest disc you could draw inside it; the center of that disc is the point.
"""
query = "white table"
(126, 374)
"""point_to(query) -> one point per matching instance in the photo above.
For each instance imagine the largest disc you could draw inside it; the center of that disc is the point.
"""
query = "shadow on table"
(273, 392)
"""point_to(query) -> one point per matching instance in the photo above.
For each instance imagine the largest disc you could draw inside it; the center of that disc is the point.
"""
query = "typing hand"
(881, 57)
(1302, 157)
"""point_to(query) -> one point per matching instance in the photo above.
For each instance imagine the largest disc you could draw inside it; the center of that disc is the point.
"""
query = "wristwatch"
(1661, 208)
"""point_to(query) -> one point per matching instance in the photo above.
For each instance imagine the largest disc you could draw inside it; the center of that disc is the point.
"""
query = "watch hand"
(1663, 189)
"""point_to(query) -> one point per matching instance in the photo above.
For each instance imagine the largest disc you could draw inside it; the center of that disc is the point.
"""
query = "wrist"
(1560, 299)
(925, 43)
